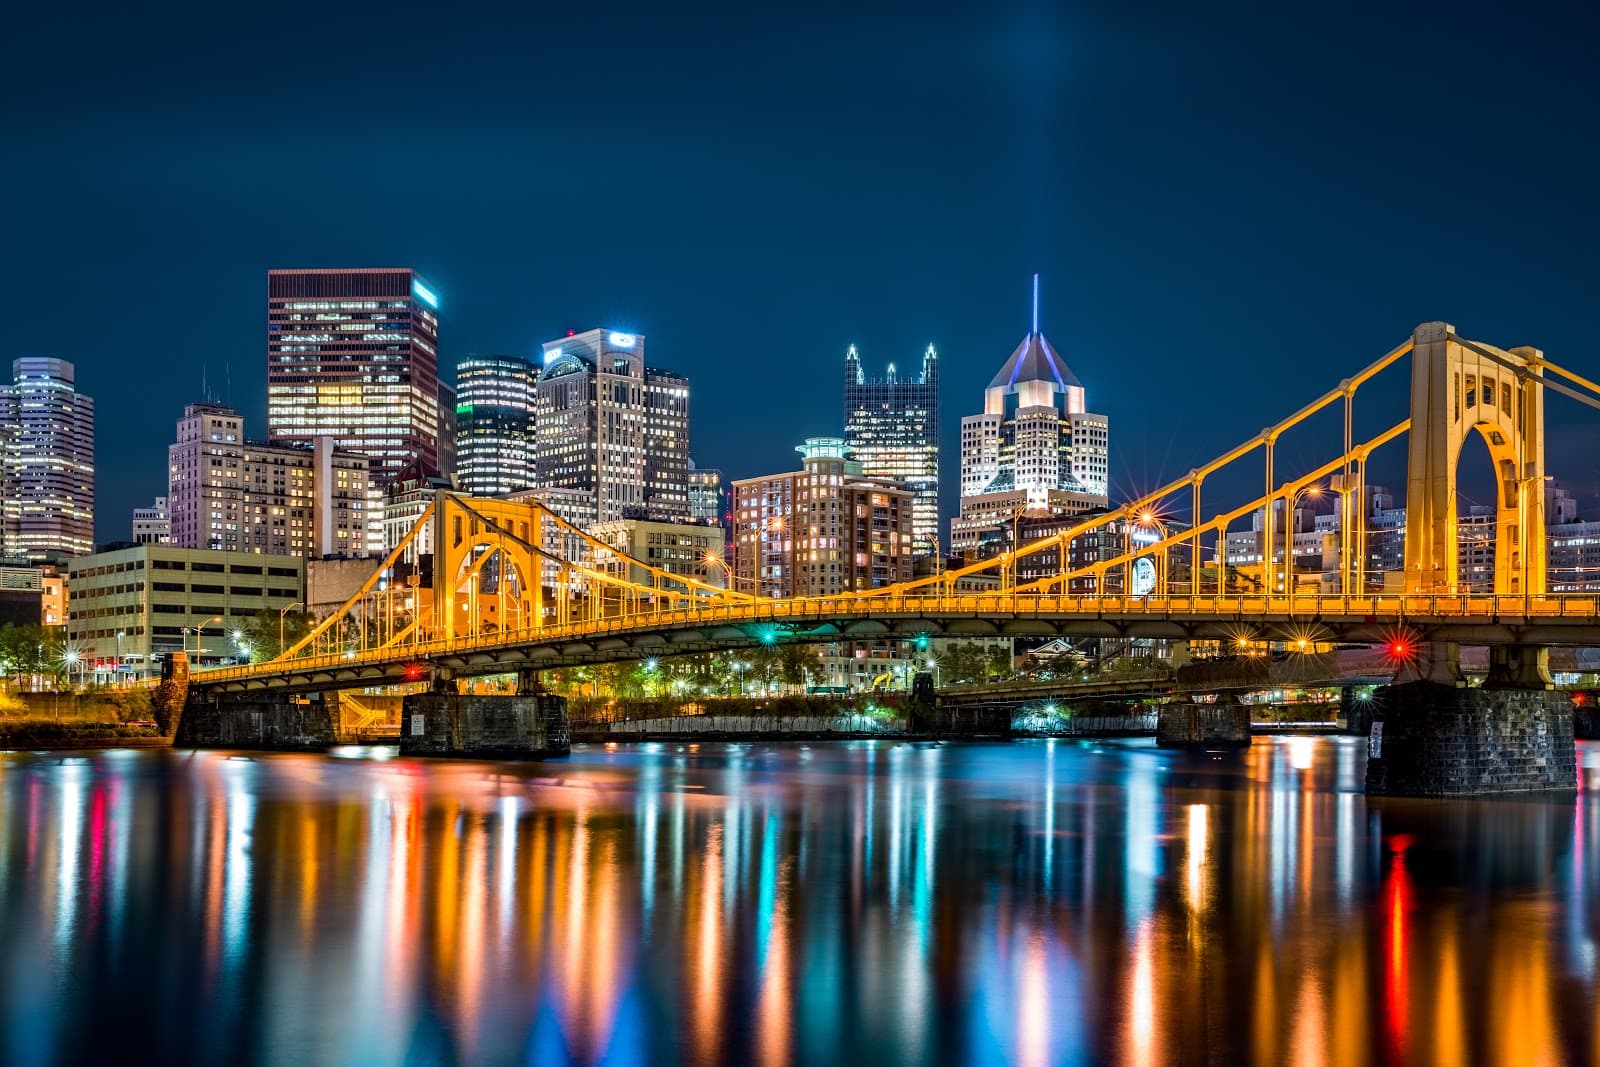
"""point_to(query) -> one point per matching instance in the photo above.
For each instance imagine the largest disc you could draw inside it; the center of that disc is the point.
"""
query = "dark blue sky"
(1231, 210)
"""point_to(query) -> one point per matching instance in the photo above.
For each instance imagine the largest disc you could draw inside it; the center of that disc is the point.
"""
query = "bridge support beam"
(257, 721)
(1432, 739)
(1227, 722)
(488, 727)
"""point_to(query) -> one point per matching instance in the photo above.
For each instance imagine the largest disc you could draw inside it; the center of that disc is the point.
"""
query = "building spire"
(1035, 303)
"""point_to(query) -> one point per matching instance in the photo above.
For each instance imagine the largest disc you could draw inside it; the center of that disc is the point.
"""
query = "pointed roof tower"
(1035, 359)
(1035, 375)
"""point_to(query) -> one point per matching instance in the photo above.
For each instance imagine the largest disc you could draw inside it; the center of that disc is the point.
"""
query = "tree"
(261, 633)
(798, 664)
(30, 649)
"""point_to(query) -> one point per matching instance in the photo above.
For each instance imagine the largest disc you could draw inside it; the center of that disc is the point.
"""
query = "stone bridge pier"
(1432, 735)
(292, 722)
(446, 722)
(1224, 723)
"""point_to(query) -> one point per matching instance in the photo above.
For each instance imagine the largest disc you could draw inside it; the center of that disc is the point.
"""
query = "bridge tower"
(1458, 388)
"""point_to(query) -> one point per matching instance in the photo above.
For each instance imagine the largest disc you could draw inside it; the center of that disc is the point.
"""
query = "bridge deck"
(1486, 620)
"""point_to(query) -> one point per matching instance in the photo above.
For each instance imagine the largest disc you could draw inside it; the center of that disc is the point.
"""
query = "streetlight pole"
(1149, 520)
(281, 613)
(1288, 541)
(199, 636)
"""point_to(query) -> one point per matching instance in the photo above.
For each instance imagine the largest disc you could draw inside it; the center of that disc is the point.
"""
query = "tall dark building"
(891, 427)
(354, 355)
(494, 424)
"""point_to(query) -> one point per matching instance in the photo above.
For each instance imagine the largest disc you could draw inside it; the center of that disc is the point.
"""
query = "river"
(1036, 902)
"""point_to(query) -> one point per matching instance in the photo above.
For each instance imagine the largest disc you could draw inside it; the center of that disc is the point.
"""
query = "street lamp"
(1288, 540)
(1149, 520)
(69, 659)
(199, 636)
(284, 611)
(712, 559)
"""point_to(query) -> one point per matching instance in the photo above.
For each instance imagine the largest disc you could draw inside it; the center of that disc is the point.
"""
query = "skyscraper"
(495, 398)
(609, 425)
(891, 427)
(353, 355)
(47, 450)
(1035, 449)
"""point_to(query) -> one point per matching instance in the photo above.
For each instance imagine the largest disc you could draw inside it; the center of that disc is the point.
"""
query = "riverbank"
(69, 734)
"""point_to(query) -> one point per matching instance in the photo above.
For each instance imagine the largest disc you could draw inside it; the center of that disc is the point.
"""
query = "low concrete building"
(330, 582)
(690, 549)
(132, 605)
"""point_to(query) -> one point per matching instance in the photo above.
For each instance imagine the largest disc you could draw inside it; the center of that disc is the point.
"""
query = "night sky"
(1229, 211)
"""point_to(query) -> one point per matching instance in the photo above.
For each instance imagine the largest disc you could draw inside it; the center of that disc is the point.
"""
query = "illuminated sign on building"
(424, 294)
(623, 340)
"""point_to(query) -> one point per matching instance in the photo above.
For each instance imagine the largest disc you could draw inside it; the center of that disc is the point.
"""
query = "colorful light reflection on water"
(1037, 903)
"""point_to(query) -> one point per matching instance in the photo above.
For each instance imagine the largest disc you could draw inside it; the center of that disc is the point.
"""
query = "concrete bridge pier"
(449, 723)
(1227, 722)
(257, 720)
(1355, 713)
(1434, 737)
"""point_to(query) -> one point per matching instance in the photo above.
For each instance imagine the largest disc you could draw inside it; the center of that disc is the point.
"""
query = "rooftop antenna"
(1035, 303)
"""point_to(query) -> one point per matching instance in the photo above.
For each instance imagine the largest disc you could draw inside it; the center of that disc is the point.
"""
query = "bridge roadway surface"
(1555, 620)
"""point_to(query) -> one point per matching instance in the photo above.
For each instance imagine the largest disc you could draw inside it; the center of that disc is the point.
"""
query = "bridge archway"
(1460, 388)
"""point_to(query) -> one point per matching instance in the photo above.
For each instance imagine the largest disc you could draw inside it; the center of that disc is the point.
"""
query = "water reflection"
(1040, 903)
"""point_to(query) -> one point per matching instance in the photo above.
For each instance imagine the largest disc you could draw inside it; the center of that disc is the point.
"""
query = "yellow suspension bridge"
(484, 586)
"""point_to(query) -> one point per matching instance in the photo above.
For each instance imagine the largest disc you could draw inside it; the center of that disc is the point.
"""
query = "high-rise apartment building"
(891, 427)
(353, 355)
(233, 495)
(1036, 448)
(608, 424)
(820, 530)
(495, 400)
(47, 455)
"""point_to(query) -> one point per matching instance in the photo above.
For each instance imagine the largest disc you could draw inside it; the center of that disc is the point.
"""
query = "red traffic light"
(414, 672)
(1399, 649)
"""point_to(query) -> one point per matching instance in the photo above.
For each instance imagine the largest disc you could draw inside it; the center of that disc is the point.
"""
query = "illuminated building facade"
(608, 424)
(708, 496)
(353, 355)
(820, 530)
(228, 494)
(1035, 446)
(891, 427)
(46, 462)
(495, 401)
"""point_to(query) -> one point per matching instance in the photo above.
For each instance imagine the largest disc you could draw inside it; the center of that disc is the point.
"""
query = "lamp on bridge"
(1288, 539)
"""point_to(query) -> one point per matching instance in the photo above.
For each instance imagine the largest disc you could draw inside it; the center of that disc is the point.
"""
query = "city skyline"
(973, 151)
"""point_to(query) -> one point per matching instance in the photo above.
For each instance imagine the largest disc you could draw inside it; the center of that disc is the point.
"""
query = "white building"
(1035, 448)
(152, 524)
